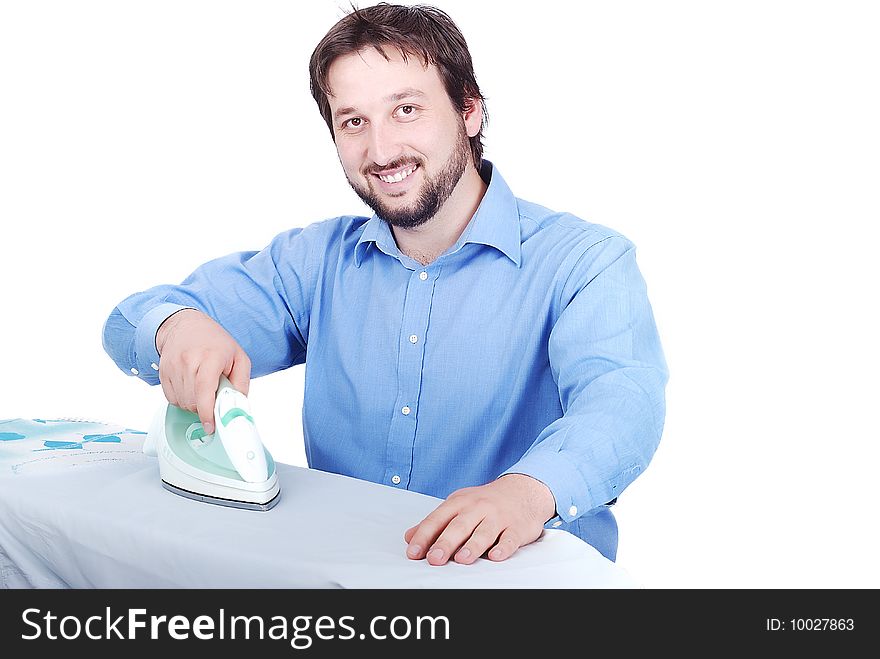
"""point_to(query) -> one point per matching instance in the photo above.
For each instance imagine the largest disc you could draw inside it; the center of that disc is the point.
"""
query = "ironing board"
(82, 507)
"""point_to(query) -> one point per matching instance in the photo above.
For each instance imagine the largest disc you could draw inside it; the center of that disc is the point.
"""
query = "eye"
(406, 112)
(354, 122)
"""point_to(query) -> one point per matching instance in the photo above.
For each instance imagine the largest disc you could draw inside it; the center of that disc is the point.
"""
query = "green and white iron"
(229, 467)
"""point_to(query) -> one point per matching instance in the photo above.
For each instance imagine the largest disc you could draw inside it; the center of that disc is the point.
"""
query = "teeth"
(399, 176)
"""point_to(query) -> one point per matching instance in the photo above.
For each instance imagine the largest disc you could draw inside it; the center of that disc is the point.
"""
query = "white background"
(736, 143)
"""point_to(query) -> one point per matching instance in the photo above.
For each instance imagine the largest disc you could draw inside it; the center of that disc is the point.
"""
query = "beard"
(434, 193)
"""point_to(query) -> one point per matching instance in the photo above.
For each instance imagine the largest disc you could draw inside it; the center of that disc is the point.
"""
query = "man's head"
(396, 87)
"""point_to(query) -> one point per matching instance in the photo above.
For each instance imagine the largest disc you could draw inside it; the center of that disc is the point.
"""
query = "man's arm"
(234, 315)
(606, 358)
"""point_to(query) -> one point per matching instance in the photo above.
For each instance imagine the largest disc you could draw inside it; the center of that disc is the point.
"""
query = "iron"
(230, 467)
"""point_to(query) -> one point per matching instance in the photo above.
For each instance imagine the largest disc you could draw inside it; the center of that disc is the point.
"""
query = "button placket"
(411, 347)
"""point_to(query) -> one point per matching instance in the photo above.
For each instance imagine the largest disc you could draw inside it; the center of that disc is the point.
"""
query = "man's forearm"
(536, 497)
(167, 328)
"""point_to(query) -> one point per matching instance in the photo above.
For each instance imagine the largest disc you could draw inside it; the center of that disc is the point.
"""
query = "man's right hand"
(195, 350)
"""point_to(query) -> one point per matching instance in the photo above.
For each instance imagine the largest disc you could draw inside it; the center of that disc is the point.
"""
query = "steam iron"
(229, 467)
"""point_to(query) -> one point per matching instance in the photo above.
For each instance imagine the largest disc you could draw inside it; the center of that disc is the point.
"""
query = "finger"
(428, 529)
(184, 369)
(167, 386)
(172, 383)
(205, 394)
(507, 544)
(240, 373)
(408, 534)
(483, 537)
(457, 532)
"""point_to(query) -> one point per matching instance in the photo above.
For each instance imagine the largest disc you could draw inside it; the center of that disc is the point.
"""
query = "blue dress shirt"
(528, 347)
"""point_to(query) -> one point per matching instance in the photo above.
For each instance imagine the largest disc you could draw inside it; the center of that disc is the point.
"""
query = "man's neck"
(426, 242)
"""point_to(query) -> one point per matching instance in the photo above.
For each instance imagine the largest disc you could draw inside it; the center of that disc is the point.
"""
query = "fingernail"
(495, 553)
(413, 550)
(209, 428)
(463, 554)
(436, 554)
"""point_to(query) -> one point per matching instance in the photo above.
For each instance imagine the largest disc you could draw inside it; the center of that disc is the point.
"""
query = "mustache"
(400, 162)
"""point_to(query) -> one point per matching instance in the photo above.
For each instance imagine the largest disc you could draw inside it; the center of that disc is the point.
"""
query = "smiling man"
(461, 342)
(407, 154)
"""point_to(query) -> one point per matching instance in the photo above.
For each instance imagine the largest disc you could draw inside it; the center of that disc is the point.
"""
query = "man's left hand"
(499, 517)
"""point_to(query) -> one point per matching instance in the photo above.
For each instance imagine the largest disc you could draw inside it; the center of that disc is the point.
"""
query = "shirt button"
(413, 338)
(406, 409)
(573, 511)
(134, 371)
(557, 523)
(154, 366)
(395, 479)
(423, 275)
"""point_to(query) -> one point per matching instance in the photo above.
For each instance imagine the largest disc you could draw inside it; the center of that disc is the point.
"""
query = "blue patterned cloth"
(45, 445)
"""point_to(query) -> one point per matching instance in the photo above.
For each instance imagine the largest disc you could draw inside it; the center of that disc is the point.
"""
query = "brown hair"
(419, 31)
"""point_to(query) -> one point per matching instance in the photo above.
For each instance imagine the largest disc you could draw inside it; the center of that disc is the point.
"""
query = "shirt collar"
(496, 223)
(376, 232)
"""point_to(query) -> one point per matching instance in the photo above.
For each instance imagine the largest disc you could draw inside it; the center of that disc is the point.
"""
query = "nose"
(383, 146)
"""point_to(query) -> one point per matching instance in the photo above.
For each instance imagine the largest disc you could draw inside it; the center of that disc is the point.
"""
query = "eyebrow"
(409, 92)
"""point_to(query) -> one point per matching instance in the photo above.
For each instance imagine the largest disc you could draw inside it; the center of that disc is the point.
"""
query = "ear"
(473, 116)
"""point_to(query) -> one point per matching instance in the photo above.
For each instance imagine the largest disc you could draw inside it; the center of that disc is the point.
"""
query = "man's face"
(402, 144)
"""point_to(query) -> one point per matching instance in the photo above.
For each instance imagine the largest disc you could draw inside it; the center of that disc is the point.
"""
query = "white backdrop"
(736, 143)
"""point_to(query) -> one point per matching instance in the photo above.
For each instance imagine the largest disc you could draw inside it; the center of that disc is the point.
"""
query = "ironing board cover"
(30, 446)
(81, 506)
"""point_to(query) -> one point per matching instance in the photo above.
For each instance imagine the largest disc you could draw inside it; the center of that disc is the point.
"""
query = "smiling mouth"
(398, 176)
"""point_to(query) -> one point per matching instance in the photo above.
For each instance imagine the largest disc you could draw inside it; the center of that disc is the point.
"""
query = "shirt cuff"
(572, 494)
(146, 365)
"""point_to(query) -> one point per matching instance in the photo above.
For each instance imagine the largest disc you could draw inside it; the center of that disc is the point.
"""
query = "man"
(460, 342)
